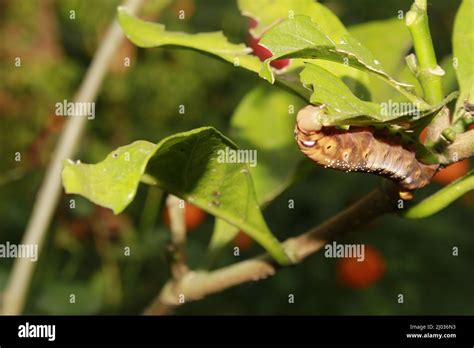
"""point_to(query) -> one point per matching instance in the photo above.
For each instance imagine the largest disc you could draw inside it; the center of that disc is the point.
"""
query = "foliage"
(142, 104)
(185, 164)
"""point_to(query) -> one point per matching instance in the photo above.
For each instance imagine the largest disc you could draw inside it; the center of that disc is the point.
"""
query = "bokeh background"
(84, 249)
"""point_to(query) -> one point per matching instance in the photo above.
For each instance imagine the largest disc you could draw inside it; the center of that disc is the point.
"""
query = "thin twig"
(47, 199)
(196, 285)
(177, 248)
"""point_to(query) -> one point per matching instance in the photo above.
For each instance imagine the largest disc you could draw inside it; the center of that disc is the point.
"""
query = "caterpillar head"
(308, 125)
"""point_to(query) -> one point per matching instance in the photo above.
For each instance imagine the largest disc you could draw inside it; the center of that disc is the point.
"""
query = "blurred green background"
(84, 250)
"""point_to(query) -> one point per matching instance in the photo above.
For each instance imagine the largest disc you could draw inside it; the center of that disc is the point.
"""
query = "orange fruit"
(243, 241)
(452, 172)
(193, 216)
(423, 134)
(361, 274)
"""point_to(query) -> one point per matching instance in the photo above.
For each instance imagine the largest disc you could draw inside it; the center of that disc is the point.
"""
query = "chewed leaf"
(344, 108)
(392, 59)
(267, 13)
(332, 92)
(300, 37)
(113, 182)
(192, 165)
(148, 34)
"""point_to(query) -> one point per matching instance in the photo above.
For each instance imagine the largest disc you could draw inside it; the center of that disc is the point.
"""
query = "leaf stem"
(429, 72)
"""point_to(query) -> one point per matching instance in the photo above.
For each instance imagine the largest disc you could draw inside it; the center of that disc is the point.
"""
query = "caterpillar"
(359, 149)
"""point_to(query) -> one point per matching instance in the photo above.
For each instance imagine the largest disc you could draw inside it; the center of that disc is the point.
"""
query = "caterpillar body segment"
(359, 149)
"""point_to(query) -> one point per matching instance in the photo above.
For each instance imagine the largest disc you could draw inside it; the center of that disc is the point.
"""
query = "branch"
(196, 285)
(48, 195)
(177, 248)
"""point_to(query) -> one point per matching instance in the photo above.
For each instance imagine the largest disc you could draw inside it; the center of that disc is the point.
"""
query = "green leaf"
(463, 49)
(344, 108)
(390, 50)
(148, 34)
(222, 235)
(278, 157)
(341, 103)
(450, 83)
(191, 165)
(267, 13)
(301, 38)
(292, 36)
(442, 198)
(113, 182)
(265, 120)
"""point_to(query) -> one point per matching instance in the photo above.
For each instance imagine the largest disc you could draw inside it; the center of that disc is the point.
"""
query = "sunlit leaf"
(390, 50)
(113, 182)
(344, 108)
(267, 13)
(190, 165)
(300, 37)
(148, 34)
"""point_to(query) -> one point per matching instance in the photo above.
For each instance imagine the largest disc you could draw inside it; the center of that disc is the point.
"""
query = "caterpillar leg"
(405, 195)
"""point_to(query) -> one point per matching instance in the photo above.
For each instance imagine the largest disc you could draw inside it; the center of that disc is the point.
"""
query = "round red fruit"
(361, 274)
(243, 241)
(452, 172)
(193, 216)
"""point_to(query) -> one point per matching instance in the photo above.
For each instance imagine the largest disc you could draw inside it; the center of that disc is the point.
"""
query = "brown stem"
(196, 285)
